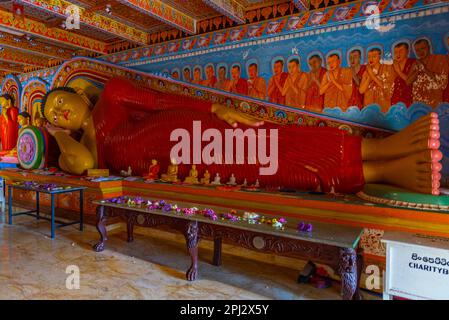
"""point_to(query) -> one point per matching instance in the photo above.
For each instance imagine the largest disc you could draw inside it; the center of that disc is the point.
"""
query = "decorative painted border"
(12, 85)
(32, 92)
(102, 71)
(349, 16)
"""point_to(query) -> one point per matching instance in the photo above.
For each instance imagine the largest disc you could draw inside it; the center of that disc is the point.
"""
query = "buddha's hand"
(53, 130)
(233, 117)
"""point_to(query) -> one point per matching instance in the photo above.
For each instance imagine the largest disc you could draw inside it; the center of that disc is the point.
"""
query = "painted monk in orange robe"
(211, 79)
(257, 86)
(314, 100)
(277, 83)
(337, 84)
(294, 89)
(238, 84)
(223, 83)
(197, 79)
(357, 69)
(377, 81)
(402, 65)
(429, 75)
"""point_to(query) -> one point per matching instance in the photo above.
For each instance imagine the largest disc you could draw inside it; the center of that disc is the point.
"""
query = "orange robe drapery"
(257, 88)
(9, 129)
(428, 89)
(275, 95)
(380, 95)
(402, 92)
(333, 97)
(315, 101)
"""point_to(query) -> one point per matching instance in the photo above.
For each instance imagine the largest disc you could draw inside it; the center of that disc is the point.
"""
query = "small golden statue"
(193, 176)
(172, 172)
(206, 178)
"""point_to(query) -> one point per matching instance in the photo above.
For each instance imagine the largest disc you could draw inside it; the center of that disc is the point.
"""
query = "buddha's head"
(65, 108)
(154, 162)
(24, 119)
(6, 101)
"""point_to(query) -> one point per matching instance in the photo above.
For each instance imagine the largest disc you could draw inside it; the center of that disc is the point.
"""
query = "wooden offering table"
(329, 244)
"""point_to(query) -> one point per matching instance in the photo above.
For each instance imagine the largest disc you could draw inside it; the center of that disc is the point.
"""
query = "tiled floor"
(32, 266)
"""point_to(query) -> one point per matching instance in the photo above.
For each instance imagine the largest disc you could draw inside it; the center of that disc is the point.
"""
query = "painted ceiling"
(37, 34)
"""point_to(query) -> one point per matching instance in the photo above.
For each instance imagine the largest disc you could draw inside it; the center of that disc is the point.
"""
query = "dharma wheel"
(32, 147)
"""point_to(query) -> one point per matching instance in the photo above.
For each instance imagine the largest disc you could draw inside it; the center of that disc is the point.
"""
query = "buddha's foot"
(418, 172)
(422, 135)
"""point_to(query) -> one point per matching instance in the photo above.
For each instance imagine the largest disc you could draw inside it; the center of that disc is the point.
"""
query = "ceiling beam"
(34, 47)
(229, 8)
(8, 68)
(91, 18)
(15, 56)
(165, 13)
(37, 28)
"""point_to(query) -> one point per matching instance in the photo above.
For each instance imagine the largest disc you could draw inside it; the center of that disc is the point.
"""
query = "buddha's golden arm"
(75, 157)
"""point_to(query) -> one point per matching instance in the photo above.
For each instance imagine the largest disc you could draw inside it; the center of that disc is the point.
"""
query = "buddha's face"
(66, 110)
(23, 121)
(154, 162)
(5, 103)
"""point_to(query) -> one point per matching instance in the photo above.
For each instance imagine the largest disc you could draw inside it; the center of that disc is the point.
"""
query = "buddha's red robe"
(133, 126)
(9, 129)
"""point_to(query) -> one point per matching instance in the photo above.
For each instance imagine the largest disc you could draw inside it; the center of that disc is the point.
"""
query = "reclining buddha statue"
(130, 125)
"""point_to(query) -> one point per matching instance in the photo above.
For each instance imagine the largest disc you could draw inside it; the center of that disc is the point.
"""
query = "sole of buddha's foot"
(421, 135)
(419, 172)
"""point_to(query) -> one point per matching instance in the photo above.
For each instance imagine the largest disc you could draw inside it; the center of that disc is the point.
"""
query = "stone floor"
(32, 266)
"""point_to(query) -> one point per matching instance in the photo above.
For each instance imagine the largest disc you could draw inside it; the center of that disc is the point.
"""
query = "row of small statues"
(172, 175)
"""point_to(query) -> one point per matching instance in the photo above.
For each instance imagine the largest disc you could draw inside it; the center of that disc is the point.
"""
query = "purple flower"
(282, 220)
(167, 207)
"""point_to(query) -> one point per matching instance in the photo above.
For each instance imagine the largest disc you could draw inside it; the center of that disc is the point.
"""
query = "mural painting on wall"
(409, 73)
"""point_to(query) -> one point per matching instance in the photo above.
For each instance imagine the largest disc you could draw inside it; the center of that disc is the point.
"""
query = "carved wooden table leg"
(358, 294)
(191, 235)
(348, 273)
(130, 228)
(217, 252)
(101, 219)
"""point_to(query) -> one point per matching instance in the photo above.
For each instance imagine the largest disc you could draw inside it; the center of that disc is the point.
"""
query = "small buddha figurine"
(231, 181)
(217, 179)
(39, 122)
(153, 171)
(206, 178)
(193, 176)
(245, 183)
(127, 173)
(24, 120)
(172, 172)
(257, 184)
